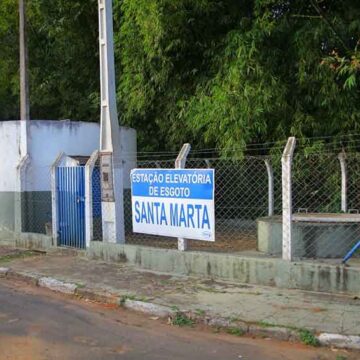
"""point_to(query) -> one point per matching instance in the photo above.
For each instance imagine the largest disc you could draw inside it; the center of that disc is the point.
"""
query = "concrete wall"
(9, 159)
(46, 139)
(310, 239)
(303, 275)
(9, 154)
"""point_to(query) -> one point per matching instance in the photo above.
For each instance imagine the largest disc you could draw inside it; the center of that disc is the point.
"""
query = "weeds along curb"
(187, 318)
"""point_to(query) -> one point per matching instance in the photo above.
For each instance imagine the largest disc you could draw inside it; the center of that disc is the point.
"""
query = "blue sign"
(174, 202)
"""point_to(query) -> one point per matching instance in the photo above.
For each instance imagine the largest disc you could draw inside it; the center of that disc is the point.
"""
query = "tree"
(9, 78)
(63, 59)
(216, 73)
(257, 74)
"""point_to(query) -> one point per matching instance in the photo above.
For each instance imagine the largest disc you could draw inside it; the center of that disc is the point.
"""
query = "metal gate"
(71, 206)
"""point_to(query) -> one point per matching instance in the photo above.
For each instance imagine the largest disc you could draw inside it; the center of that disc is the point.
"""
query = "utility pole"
(112, 199)
(24, 81)
(24, 117)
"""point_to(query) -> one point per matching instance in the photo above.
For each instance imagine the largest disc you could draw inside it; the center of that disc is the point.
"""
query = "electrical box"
(107, 183)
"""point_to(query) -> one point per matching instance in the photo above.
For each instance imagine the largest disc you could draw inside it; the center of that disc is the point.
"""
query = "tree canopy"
(216, 73)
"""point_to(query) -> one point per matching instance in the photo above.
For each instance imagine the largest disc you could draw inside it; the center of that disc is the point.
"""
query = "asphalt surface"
(37, 324)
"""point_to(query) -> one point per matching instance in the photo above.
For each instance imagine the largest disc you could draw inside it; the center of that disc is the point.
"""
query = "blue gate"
(71, 206)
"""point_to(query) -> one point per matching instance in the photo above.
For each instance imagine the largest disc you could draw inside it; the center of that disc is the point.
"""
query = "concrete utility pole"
(24, 82)
(111, 163)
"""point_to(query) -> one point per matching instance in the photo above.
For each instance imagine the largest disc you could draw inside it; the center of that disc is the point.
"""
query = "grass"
(340, 357)
(265, 324)
(80, 286)
(126, 297)
(19, 255)
(199, 312)
(308, 338)
(132, 297)
(209, 290)
(181, 319)
(235, 331)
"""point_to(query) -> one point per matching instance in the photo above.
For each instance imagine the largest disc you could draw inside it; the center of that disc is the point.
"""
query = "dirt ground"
(236, 242)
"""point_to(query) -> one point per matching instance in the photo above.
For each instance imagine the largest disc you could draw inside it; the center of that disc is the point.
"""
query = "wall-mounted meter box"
(107, 183)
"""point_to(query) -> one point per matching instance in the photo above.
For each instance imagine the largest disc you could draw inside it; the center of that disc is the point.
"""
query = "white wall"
(46, 139)
(9, 154)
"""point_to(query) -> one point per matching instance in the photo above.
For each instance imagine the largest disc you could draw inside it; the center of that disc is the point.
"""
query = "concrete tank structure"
(25, 180)
(315, 235)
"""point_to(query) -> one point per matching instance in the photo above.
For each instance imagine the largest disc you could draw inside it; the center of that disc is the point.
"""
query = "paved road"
(36, 324)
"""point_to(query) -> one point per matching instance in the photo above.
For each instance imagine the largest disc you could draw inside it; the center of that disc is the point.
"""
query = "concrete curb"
(340, 341)
(3, 272)
(97, 295)
(147, 308)
(56, 285)
(28, 278)
(161, 311)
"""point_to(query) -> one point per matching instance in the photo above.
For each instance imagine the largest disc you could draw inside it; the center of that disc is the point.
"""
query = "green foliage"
(9, 79)
(17, 255)
(308, 338)
(235, 331)
(126, 297)
(347, 68)
(341, 357)
(181, 319)
(63, 59)
(211, 72)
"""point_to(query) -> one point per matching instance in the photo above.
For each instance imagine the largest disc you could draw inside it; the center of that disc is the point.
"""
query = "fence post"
(54, 198)
(286, 161)
(342, 159)
(89, 167)
(270, 173)
(180, 164)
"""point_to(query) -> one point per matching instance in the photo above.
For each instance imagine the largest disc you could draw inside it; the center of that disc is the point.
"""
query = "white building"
(25, 180)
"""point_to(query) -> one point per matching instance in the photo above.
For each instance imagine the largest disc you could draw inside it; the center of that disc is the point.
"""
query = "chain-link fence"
(326, 220)
(96, 205)
(36, 212)
(248, 205)
(241, 198)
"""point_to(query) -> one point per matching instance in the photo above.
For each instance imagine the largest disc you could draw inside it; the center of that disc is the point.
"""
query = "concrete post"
(286, 162)
(24, 81)
(270, 173)
(180, 164)
(89, 167)
(24, 117)
(112, 202)
(54, 198)
(342, 160)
